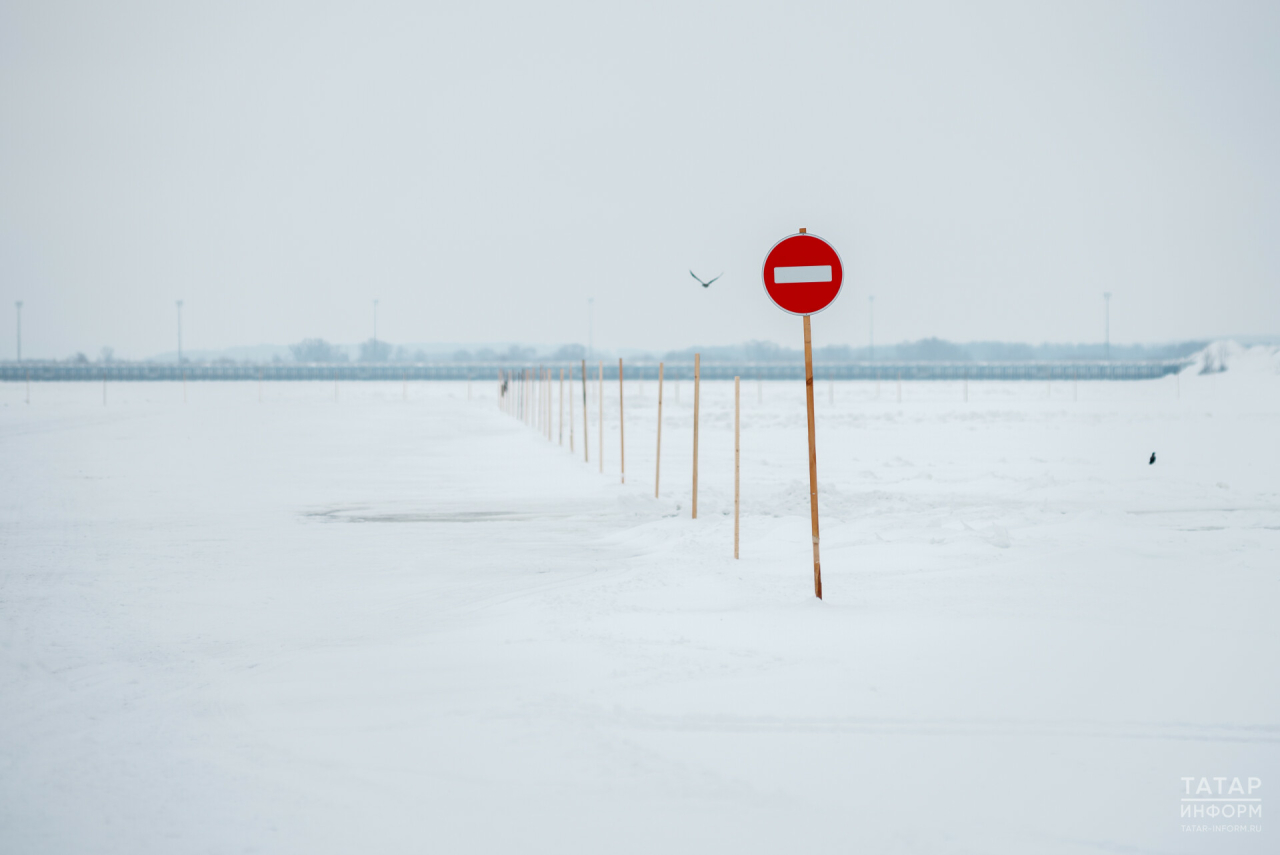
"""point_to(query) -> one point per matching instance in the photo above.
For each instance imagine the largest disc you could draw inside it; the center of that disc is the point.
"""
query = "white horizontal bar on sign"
(816, 273)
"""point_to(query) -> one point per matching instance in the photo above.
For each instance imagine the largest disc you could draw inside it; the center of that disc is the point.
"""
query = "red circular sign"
(802, 274)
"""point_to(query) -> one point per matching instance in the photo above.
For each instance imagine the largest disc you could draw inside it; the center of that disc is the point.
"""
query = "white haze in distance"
(986, 170)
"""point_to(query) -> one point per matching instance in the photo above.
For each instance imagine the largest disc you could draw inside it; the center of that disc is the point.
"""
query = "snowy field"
(402, 621)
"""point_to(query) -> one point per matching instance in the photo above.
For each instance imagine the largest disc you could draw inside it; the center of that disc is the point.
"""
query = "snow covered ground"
(372, 624)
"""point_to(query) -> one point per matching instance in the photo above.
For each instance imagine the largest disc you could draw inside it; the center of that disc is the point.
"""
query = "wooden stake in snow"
(600, 411)
(697, 376)
(813, 457)
(737, 458)
(657, 457)
(586, 443)
(622, 437)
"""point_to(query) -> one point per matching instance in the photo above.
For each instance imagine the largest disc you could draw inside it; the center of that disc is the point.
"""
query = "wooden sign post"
(657, 457)
(696, 379)
(802, 275)
(813, 458)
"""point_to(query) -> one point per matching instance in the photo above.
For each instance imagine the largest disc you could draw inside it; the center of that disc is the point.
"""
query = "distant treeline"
(317, 350)
(939, 350)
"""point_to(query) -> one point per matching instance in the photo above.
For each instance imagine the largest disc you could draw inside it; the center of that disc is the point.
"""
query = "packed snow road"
(387, 625)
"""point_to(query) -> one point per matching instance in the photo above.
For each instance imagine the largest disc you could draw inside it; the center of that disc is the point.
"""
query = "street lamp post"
(1106, 297)
(871, 326)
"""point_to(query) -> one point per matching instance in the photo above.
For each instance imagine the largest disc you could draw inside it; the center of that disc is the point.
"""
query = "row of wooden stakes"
(527, 394)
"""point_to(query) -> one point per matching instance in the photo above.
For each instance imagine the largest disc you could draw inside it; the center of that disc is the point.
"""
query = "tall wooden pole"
(586, 457)
(657, 457)
(813, 457)
(600, 411)
(737, 458)
(697, 375)
(622, 436)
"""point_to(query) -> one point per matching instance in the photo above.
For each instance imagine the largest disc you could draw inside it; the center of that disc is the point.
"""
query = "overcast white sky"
(986, 170)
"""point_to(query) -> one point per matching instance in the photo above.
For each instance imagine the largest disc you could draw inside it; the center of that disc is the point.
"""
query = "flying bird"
(700, 282)
(1153, 458)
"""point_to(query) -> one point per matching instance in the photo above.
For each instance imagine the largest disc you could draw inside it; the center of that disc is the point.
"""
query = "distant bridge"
(170, 371)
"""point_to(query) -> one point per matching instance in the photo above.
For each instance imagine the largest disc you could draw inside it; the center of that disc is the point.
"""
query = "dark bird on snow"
(1153, 458)
(700, 282)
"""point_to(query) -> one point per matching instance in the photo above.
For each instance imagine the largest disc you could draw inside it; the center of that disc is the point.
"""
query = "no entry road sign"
(802, 274)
